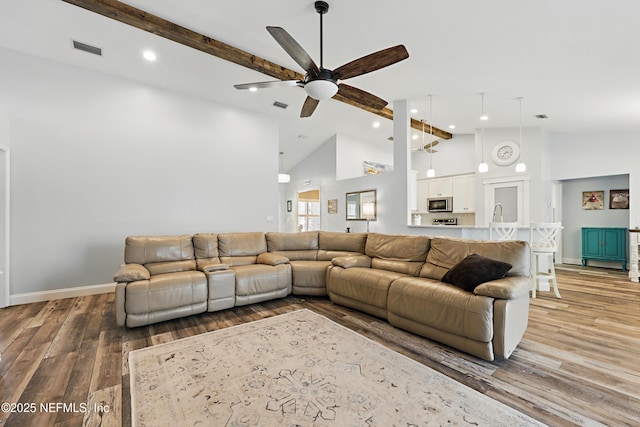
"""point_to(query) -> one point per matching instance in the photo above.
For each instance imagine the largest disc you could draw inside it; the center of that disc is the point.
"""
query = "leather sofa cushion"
(305, 241)
(166, 291)
(158, 249)
(397, 247)
(362, 284)
(241, 248)
(399, 253)
(295, 246)
(309, 274)
(342, 242)
(206, 250)
(448, 251)
(443, 307)
(258, 279)
(170, 267)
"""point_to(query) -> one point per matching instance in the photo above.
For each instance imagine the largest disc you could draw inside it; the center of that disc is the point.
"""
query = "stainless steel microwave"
(440, 204)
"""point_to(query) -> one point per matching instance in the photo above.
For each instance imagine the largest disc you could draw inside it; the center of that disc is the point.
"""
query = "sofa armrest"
(352, 261)
(272, 259)
(131, 273)
(509, 287)
(213, 267)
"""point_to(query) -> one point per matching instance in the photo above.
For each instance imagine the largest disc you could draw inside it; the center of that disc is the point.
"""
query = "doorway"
(308, 211)
(4, 226)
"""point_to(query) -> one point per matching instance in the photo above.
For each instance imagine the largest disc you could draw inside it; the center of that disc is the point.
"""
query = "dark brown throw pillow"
(474, 270)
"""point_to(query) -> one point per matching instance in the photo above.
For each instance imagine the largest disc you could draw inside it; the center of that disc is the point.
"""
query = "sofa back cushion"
(332, 244)
(295, 246)
(399, 253)
(241, 248)
(161, 254)
(205, 246)
(446, 252)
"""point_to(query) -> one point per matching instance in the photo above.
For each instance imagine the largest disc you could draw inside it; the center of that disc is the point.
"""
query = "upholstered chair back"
(447, 252)
(205, 246)
(295, 246)
(241, 248)
(161, 254)
(402, 254)
(332, 244)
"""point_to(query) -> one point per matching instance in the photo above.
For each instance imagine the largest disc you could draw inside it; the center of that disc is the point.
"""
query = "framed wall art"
(333, 206)
(593, 200)
(619, 199)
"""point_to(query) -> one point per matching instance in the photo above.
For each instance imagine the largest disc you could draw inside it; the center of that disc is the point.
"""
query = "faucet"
(495, 208)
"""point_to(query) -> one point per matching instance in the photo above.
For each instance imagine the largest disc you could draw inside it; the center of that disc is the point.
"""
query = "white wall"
(352, 153)
(583, 155)
(96, 158)
(454, 157)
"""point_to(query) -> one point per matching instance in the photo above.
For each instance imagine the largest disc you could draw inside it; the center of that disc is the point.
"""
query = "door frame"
(5, 288)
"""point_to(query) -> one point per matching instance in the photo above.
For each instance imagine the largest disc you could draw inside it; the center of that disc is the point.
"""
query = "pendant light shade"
(483, 166)
(283, 178)
(521, 166)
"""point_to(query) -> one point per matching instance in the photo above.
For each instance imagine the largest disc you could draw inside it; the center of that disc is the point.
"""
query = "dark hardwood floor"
(578, 363)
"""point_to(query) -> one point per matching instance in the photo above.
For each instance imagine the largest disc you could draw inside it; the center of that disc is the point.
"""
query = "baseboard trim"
(80, 291)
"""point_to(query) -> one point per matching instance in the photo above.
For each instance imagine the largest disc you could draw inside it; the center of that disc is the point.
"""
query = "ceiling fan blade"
(309, 107)
(274, 83)
(371, 62)
(294, 50)
(361, 96)
(431, 145)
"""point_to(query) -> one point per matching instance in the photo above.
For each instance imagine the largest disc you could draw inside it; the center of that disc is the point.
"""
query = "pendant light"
(283, 178)
(430, 172)
(521, 167)
(483, 166)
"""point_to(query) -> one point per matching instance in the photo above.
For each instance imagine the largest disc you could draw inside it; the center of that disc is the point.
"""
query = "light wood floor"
(577, 364)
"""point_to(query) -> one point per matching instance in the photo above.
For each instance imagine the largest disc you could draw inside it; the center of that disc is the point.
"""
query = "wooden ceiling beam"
(145, 21)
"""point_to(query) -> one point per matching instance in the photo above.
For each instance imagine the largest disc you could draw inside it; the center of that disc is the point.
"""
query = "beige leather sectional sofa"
(397, 278)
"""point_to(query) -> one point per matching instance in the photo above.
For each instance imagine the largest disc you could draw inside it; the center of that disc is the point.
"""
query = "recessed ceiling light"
(484, 118)
(376, 124)
(452, 126)
(414, 110)
(414, 137)
(253, 89)
(149, 55)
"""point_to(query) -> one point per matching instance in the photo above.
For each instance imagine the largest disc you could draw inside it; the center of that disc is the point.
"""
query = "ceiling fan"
(428, 147)
(321, 83)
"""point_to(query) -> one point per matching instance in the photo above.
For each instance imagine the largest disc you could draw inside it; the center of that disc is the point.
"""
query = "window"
(308, 215)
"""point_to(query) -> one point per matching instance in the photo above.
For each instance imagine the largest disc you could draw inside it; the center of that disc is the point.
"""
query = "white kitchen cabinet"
(463, 193)
(422, 194)
(440, 187)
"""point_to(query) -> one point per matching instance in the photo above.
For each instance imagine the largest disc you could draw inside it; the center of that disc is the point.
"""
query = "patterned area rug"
(299, 369)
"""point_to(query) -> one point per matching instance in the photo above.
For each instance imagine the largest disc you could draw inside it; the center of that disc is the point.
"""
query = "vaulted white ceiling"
(577, 61)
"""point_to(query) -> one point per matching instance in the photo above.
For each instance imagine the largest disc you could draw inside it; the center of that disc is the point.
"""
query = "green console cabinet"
(604, 244)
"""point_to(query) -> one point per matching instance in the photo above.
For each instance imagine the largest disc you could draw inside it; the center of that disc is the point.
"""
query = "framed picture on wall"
(619, 199)
(593, 200)
(333, 206)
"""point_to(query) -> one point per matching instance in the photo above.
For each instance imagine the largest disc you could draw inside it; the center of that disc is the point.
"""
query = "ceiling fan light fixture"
(321, 89)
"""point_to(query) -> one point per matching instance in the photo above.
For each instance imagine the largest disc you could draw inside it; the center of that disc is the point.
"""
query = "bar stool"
(503, 230)
(543, 242)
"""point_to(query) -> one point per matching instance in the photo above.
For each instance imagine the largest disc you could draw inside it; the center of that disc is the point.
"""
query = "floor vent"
(280, 104)
(87, 48)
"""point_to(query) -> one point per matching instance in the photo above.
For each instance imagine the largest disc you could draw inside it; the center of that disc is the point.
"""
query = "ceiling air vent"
(280, 104)
(541, 116)
(87, 48)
